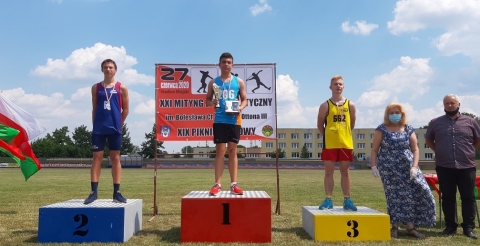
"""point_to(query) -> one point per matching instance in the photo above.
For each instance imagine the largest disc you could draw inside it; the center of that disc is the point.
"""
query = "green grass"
(20, 201)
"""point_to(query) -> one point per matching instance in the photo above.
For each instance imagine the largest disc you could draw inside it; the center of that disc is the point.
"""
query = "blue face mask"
(395, 118)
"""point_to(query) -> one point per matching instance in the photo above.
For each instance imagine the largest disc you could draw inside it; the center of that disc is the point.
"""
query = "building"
(291, 140)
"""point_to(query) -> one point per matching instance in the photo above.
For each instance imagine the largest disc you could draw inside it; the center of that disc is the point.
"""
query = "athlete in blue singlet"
(110, 109)
(226, 127)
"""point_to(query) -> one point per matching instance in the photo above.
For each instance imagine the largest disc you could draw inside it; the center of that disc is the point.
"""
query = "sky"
(410, 51)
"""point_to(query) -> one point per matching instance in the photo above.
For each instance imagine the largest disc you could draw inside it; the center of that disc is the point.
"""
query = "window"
(361, 136)
(319, 136)
(360, 145)
(361, 156)
(281, 135)
(308, 145)
(319, 154)
(294, 135)
(320, 145)
(294, 145)
(253, 155)
(282, 145)
(429, 156)
(307, 136)
(295, 155)
(200, 155)
(371, 135)
(371, 145)
(310, 155)
(268, 145)
(426, 146)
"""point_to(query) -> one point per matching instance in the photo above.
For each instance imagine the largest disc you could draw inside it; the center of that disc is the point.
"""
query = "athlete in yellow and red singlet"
(336, 119)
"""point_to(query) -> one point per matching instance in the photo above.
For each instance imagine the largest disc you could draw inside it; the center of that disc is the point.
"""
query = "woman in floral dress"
(395, 157)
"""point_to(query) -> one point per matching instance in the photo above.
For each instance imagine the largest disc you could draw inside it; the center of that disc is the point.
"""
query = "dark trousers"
(449, 179)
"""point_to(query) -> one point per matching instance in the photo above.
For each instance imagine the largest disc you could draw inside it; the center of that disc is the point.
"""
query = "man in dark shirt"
(454, 138)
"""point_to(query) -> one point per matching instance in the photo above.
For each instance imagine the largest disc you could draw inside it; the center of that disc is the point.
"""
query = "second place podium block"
(226, 218)
(101, 221)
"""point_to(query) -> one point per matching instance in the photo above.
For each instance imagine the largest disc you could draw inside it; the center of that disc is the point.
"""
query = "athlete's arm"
(322, 114)
(209, 99)
(125, 102)
(243, 94)
(353, 114)
(94, 100)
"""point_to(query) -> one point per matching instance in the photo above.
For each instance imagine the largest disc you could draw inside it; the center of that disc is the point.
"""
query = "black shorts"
(224, 133)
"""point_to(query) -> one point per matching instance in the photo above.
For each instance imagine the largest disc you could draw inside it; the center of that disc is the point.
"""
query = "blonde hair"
(336, 77)
(387, 122)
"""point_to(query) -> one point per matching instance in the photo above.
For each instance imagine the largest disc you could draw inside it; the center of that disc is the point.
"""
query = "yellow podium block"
(338, 224)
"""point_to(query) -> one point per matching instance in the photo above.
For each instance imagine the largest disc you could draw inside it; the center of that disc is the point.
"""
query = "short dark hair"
(225, 55)
(108, 61)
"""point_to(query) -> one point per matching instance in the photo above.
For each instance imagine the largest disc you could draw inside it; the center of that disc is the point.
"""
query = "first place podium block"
(338, 224)
(101, 221)
(226, 218)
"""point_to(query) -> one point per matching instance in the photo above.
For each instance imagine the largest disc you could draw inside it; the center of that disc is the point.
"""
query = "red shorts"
(337, 155)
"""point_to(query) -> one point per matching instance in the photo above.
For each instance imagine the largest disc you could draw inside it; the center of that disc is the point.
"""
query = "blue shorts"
(114, 142)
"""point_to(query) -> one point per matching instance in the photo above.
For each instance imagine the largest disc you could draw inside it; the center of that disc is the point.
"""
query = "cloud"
(145, 107)
(459, 19)
(412, 76)
(361, 28)
(260, 8)
(287, 89)
(290, 111)
(84, 63)
(56, 1)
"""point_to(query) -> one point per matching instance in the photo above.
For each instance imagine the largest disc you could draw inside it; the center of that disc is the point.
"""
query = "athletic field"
(20, 201)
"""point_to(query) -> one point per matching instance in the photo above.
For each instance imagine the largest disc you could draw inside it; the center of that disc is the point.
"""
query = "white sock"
(233, 183)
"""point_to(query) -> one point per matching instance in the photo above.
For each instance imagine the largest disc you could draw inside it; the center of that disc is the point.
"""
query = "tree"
(136, 149)
(281, 154)
(82, 141)
(44, 147)
(187, 150)
(63, 143)
(305, 153)
(127, 146)
(213, 153)
(148, 147)
(424, 127)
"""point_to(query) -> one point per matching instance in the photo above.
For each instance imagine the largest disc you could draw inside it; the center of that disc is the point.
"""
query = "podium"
(338, 224)
(226, 217)
(101, 221)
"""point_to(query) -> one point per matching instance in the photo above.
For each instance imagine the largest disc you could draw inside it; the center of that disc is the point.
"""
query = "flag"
(17, 127)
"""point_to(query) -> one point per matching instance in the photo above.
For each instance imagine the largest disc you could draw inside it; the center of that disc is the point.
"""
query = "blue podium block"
(101, 221)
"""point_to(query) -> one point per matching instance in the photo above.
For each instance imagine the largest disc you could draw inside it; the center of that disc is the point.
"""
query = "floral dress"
(408, 200)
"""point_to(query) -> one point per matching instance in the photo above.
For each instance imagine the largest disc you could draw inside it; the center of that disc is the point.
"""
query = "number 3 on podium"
(353, 226)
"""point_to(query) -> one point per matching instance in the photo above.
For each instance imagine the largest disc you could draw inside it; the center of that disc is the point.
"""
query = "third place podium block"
(338, 224)
(226, 217)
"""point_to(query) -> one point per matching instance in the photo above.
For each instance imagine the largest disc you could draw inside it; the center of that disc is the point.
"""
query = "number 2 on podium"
(226, 213)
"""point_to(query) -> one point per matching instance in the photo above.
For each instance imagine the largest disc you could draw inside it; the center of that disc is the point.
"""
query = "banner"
(180, 101)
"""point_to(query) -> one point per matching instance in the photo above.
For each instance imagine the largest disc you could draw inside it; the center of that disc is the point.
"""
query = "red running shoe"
(236, 190)
(215, 189)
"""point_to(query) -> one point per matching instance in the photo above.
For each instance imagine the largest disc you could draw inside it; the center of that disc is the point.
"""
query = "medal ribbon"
(106, 94)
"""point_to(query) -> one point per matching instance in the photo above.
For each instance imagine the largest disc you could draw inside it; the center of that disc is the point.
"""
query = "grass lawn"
(20, 201)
